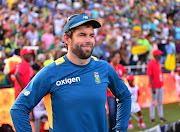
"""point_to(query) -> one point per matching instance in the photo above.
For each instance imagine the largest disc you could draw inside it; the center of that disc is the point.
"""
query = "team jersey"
(134, 93)
(74, 96)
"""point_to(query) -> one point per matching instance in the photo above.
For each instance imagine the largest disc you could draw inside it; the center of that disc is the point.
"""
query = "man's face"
(158, 57)
(116, 59)
(12, 39)
(82, 42)
(28, 57)
(130, 82)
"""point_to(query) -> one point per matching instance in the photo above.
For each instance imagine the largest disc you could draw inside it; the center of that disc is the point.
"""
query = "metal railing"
(143, 68)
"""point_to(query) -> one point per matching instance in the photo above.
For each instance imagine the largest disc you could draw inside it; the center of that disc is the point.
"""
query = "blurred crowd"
(133, 27)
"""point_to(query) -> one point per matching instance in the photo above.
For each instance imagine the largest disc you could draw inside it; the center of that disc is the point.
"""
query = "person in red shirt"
(23, 72)
(155, 73)
(115, 59)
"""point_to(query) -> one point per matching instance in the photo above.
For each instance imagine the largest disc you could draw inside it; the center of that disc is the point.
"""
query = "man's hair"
(36, 67)
(17, 51)
(113, 54)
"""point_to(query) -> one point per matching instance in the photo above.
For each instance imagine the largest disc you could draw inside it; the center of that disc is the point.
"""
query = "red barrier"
(6, 102)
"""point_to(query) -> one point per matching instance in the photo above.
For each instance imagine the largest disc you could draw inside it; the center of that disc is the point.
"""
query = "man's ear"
(66, 39)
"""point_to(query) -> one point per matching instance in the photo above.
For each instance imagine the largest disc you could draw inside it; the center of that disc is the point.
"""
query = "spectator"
(2, 33)
(151, 47)
(42, 47)
(155, 73)
(112, 44)
(40, 116)
(12, 41)
(177, 30)
(119, 38)
(60, 53)
(48, 37)
(23, 72)
(142, 62)
(161, 46)
(177, 43)
(169, 48)
(58, 23)
(124, 54)
(40, 60)
(115, 59)
(135, 108)
(32, 34)
(26, 42)
(12, 61)
(98, 51)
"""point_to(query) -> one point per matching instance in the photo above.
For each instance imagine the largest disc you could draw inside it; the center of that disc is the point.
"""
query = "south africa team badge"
(97, 78)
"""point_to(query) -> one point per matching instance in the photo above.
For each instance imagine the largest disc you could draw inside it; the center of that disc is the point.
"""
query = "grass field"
(171, 114)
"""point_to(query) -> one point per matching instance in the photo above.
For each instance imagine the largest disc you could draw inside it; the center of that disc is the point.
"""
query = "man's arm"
(8, 76)
(28, 98)
(152, 85)
(120, 91)
(149, 72)
(123, 115)
(18, 78)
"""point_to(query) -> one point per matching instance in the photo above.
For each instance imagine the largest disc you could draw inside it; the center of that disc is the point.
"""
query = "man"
(48, 38)
(23, 72)
(155, 73)
(75, 86)
(32, 34)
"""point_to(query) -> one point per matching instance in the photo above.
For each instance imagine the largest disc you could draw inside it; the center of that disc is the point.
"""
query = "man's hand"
(152, 85)
(153, 91)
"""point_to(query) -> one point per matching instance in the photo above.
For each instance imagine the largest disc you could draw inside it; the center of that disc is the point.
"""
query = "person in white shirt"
(32, 34)
(135, 108)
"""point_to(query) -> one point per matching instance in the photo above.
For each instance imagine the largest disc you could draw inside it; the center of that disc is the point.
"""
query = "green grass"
(171, 114)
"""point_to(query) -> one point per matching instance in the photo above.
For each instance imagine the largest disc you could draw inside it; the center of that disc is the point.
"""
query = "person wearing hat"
(23, 72)
(154, 71)
(177, 81)
(74, 86)
(135, 108)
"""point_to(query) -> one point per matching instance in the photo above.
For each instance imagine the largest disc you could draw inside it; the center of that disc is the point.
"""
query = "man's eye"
(82, 35)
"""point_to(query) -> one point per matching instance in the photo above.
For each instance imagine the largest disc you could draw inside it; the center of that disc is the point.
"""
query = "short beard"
(82, 54)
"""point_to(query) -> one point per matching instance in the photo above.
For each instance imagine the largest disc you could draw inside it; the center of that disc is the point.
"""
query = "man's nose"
(88, 39)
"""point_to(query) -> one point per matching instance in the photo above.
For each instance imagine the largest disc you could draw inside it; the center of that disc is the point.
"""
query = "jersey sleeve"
(38, 87)
(120, 91)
